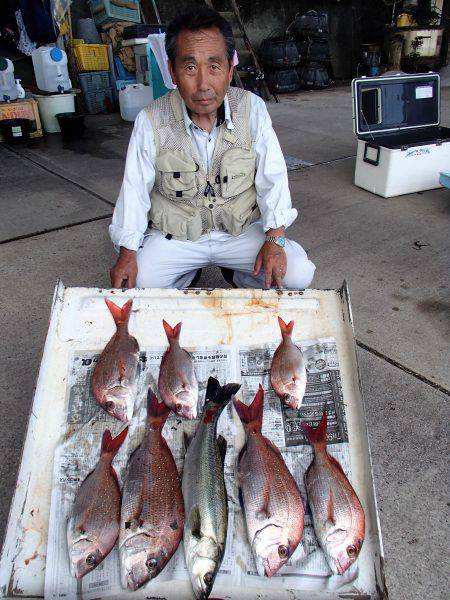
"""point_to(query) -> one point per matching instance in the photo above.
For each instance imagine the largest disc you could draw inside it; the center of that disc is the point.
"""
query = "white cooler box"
(401, 147)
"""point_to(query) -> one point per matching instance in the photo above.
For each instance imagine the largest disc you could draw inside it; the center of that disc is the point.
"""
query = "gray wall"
(351, 21)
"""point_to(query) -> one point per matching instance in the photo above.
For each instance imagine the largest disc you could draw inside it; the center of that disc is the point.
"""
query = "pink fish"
(177, 383)
(93, 525)
(338, 516)
(152, 515)
(272, 502)
(288, 371)
(114, 376)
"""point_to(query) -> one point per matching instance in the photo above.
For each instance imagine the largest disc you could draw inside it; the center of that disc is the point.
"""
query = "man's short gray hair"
(193, 20)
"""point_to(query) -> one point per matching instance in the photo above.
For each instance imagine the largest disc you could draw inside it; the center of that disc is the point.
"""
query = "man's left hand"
(273, 259)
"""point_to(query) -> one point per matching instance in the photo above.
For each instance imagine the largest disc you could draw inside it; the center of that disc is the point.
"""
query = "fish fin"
(114, 475)
(122, 368)
(120, 315)
(252, 414)
(186, 440)
(222, 443)
(172, 333)
(317, 436)
(220, 394)
(272, 445)
(241, 453)
(182, 378)
(263, 512)
(337, 464)
(156, 411)
(212, 389)
(286, 329)
(194, 522)
(330, 509)
(241, 500)
(110, 445)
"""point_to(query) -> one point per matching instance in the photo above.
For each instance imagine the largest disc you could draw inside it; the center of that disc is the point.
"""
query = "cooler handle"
(372, 161)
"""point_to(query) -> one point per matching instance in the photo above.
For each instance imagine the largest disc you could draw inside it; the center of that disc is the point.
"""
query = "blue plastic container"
(104, 11)
(101, 101)
(121, 72)
(94, 80)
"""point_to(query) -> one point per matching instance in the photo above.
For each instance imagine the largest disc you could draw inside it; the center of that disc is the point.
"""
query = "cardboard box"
(22, 109)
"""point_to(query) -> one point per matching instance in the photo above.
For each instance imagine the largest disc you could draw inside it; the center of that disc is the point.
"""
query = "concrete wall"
(351, 21)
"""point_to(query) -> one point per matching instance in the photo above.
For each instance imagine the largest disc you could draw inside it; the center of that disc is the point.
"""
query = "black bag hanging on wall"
(38, 21)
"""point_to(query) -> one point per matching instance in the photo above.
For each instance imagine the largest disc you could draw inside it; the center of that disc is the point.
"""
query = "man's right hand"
(124, 272)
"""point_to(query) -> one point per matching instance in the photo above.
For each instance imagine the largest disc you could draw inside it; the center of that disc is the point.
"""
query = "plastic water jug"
(133, 99)
(8, 87)
(50, 69)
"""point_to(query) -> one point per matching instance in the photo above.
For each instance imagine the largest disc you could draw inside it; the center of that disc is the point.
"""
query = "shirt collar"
(223, 116)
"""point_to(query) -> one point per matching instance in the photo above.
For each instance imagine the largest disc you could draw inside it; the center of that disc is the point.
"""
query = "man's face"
(202, 71)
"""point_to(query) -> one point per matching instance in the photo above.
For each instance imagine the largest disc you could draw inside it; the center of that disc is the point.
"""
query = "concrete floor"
(56, 205)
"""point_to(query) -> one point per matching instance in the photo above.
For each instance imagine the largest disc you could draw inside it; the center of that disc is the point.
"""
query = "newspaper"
(79, 450)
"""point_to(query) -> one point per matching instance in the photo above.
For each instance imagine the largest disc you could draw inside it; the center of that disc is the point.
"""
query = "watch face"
(281, 241)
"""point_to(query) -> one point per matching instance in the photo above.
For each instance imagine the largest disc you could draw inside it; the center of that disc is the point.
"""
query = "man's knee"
(300, 270)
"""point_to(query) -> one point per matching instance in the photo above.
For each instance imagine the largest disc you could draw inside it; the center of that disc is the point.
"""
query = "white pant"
(164, 263)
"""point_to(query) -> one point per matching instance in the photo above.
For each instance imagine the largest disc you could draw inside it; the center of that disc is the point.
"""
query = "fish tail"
(120, 315)
(252, 415)
(157, 412)
(317, 436)
(220, 394)
(111, 445)
(172, 333)
(217, 397)
(285, 329)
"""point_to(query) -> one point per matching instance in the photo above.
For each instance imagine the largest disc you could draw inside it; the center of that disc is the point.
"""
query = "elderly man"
(205, 163)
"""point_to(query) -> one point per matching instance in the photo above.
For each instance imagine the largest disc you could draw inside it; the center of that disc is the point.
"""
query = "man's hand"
(273, 258)
(124, 272)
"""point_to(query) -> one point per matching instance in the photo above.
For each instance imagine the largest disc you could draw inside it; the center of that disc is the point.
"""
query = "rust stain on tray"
(253, 307)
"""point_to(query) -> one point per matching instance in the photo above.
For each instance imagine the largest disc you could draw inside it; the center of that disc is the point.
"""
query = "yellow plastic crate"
(92, 57)
(75, 42)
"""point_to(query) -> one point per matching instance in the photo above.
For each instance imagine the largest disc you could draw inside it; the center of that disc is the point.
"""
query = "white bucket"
(49, 106)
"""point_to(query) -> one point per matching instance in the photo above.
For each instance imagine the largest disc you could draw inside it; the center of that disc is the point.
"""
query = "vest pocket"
(183, 222)
(176, 171)
(237, 215)
(237, 171)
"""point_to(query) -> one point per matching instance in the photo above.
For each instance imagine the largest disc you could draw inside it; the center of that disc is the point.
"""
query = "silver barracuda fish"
(205, 497)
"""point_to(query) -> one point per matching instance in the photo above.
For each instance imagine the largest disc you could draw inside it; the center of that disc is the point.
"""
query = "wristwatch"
(279, 240)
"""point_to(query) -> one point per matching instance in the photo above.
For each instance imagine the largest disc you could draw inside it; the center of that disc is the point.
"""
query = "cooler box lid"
(391, 103)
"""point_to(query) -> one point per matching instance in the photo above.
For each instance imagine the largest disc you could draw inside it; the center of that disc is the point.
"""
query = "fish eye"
(91, 560)
(110, 405)
(283, 551)
(207, 578)
(352, 551)
(179, 407)
(151, 563)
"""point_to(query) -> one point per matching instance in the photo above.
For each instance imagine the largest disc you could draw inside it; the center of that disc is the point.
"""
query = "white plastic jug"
(8, 87)
(50, 69)
(133, 99)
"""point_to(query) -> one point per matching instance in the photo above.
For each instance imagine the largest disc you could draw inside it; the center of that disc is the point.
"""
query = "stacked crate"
(94, 77)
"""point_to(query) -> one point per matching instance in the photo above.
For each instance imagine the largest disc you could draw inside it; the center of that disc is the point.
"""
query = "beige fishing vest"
(187, 202)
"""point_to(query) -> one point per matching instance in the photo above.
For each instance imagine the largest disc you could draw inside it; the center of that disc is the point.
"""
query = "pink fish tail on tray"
(120, 315)
(317, 436)
(172, 333)
(286, 329)
(111, 445)
(252, 415)
(157, 412)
